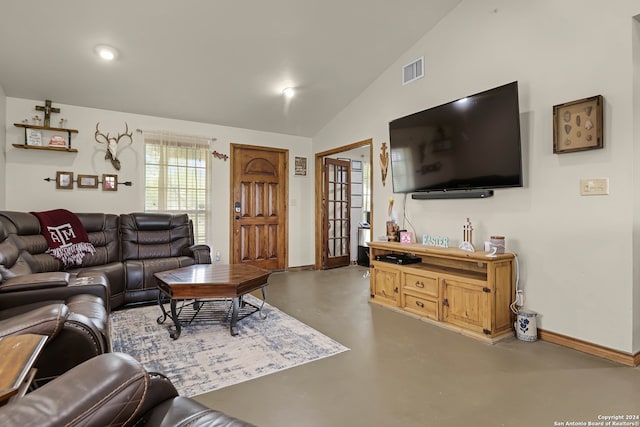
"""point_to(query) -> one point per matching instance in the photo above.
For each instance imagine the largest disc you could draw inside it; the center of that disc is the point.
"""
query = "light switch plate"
(594, 187)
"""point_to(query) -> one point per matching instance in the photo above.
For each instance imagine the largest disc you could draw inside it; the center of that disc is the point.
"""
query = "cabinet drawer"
(423, 284)
(420, 306)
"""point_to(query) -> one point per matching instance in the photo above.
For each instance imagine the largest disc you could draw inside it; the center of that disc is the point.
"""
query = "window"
(177, 176)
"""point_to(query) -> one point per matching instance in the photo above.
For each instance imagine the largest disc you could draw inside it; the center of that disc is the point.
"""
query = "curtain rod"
(210, 138)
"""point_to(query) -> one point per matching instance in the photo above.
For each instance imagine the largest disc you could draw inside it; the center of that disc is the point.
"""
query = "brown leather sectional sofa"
(130, 248)
(82, 379)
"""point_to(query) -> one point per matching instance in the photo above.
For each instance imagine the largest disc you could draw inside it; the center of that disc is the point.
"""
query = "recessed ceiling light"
(106, 52)
(288, 92)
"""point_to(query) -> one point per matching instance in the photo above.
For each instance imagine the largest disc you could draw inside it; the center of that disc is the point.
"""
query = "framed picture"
(301, 166)
(109, 182)
(64, 180)
(578, 125)
(34, 137)
(87, 181)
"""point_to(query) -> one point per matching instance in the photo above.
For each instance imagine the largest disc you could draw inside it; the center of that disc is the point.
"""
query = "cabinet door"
(467, 305)
(385, 282)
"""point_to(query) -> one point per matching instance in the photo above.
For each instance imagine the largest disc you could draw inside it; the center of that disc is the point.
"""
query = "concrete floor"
(401, 371)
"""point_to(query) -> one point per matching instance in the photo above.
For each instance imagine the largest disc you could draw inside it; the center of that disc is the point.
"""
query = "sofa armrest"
(105, 390)
(47, 295)
(201, 253)
(47, 320)
(35, 281)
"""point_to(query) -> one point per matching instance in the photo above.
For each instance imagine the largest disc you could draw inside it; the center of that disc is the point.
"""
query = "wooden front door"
(258, 206)
(337, 213)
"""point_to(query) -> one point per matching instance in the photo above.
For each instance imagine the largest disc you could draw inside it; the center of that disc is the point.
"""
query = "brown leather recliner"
(110, 390)
(154, 242)
(34, 303)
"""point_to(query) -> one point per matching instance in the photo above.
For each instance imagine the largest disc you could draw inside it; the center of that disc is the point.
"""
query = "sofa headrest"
(21, 223)
(94, 222)
(146, 221)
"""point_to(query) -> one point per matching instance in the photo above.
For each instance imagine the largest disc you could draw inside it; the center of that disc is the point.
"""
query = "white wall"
(3, 120)
(575, 252)
(26, 169)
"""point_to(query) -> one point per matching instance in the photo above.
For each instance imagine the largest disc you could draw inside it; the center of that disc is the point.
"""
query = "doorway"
(321, 224)
(259, 217)
(336, 229)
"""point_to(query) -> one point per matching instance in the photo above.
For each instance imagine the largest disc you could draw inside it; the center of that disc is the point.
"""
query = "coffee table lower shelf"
(219, 310)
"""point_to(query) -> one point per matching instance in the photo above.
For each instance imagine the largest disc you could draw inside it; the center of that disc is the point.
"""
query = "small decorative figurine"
(467, 237)
(36, 120)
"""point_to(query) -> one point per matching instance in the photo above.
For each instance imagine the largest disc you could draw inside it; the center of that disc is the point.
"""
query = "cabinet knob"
(419, 284)
(420, 304)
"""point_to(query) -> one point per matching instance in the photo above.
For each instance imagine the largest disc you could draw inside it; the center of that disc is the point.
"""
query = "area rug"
(206, 357)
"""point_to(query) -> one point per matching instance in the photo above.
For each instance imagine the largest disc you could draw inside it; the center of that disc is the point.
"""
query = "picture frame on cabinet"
(578, 125)
(87, 181)
(64, 180)
(109, 182)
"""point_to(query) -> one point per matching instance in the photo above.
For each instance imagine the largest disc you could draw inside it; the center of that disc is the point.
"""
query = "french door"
(336, 213)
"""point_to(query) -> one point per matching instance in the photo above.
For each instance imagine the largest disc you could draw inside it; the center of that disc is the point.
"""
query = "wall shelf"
(46, 147)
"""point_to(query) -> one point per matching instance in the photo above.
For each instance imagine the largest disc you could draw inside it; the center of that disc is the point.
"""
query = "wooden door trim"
(233, 148)
(318, 167)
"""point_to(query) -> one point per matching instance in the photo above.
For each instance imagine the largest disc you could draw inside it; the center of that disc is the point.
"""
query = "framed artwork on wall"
(64, 180)
(578, 125)
(301, 166)
(87, 181)
(109, 182)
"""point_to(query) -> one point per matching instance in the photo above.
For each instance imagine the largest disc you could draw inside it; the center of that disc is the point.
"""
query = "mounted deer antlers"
(112, 144)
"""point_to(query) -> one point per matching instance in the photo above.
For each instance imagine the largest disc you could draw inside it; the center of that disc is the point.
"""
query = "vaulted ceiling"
(212, 61)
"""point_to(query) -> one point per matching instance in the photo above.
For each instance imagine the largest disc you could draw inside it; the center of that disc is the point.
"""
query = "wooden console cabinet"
(468, 292)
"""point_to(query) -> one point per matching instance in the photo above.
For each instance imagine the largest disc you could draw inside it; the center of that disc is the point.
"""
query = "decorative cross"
(48, 109)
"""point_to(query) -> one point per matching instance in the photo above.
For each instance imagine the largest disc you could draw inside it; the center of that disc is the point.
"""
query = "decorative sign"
(406, 237)
(301, 166)
(34, 137)
(441, 242)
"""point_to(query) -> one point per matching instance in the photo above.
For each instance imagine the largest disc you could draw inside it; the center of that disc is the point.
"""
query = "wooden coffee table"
(197, 285)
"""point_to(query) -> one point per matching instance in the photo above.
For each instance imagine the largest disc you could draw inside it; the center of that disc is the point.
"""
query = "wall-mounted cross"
(48, 109)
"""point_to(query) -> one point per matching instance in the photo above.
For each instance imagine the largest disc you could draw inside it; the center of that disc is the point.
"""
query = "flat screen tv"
(468, 144)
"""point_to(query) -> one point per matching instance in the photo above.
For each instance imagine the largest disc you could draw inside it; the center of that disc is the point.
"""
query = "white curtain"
(177, 178)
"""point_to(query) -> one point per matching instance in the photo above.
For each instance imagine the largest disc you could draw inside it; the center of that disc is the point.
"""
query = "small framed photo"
(64, 180)
(109, 182)
(87, 181)
(301, 166)
(578, 125)
(34, 137)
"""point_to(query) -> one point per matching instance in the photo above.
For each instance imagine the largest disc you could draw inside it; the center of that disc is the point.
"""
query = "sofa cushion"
(142, 286)
(35, 281)
(102, 230)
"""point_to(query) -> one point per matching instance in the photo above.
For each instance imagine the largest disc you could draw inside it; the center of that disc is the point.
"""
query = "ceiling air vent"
(413, 71)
